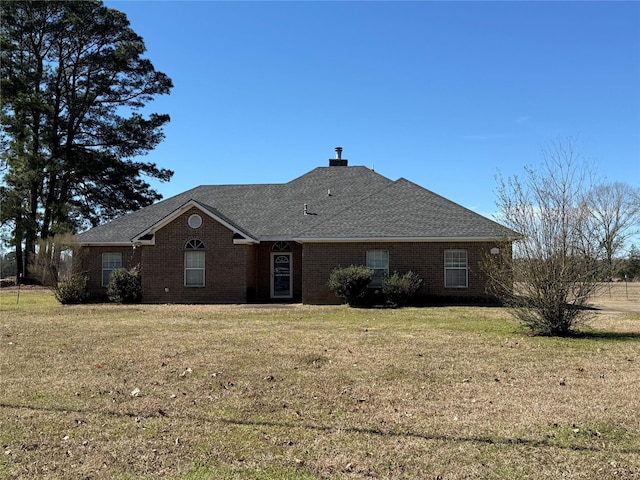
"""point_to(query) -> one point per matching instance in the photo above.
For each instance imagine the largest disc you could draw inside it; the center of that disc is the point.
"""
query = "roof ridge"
(213, 185)
(350, 167)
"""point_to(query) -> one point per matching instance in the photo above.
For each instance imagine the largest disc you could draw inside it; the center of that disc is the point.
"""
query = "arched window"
(281, 247)
(194, 244)
(194, 261)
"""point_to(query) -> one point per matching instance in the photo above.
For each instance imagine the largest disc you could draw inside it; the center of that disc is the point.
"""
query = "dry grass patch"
(240, 392)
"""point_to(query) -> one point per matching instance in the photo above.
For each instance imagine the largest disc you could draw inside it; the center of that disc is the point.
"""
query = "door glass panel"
(281, 276)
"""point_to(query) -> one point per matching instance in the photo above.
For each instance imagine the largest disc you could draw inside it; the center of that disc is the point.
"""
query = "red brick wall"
(89, 263)
(251, 273)
(240, 273)
(225, 264)
(229, 269)
(425, 259)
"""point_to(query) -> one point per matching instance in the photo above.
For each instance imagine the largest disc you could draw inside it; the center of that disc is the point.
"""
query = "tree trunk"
(17, 238)
(49, 204)
(30, 233)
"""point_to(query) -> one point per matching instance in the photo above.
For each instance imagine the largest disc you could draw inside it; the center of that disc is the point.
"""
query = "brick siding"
(229, 269)
(89, 264)
(226, 264)
(241, 273)
(423, 258)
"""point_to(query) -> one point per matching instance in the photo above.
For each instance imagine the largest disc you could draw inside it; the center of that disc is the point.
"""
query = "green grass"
(240, 392)
(587, 437)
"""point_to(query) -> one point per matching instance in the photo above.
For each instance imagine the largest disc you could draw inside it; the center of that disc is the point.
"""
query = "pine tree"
(74, 81)
(632, 270)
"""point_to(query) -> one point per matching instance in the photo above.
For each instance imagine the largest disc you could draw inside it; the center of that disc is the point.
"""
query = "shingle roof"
(343, 203)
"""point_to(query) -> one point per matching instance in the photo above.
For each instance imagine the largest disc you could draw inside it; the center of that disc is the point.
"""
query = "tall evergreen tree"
(74, 82)
(632, 267)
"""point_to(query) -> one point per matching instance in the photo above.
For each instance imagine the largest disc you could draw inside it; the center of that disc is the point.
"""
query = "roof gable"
(209, 211)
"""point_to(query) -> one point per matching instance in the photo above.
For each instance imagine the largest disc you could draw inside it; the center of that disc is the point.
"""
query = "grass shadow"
(488, 440)
(601, 335)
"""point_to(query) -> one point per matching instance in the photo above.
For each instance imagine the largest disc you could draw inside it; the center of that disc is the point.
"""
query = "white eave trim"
(105, 244)
(399, 239)
(244, 241)
(179, 211)
(252, 241)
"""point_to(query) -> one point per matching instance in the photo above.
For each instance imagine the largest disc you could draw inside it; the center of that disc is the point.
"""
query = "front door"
(281, 271)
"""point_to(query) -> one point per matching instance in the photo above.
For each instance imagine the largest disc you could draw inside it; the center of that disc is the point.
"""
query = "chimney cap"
(338, 161)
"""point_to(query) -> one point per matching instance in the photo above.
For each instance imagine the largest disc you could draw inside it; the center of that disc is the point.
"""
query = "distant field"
(303, 392)
(619, 295)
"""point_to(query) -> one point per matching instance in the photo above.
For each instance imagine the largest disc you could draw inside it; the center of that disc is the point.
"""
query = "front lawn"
(304, 392)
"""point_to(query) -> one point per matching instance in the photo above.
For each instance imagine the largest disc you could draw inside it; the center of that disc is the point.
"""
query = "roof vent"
(338, 161)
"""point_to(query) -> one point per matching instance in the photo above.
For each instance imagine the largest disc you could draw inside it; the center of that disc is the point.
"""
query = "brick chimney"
(338, 161)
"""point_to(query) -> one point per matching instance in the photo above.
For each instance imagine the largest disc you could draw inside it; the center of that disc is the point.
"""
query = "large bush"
(72, 291)
(125, 286)
(550, 276)
(350, 282)
(401, 289)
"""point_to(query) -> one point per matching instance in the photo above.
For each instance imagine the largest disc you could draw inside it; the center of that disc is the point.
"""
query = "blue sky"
(443, 94)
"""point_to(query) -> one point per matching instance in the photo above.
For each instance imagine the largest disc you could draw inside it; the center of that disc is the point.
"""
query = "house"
(280, 242)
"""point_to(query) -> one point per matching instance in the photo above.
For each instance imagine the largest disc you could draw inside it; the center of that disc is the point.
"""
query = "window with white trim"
(194, 221)
(194, 259)
(456, 269)
(378, 263)
(110, 262)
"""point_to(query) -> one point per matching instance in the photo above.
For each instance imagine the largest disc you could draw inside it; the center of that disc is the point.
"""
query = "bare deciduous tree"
(554, 268)
(615, 212)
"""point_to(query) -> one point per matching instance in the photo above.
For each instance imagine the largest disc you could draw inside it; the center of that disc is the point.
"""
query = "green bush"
(350, 282)
(399, 290)
(73, 291)
(125, 286)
